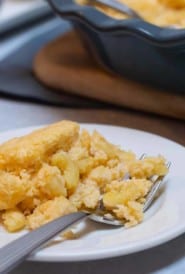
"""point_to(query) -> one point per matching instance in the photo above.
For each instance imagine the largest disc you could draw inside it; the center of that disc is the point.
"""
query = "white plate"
(164, 221)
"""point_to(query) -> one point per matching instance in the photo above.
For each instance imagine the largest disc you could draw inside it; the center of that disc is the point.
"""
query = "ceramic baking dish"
(130, 47)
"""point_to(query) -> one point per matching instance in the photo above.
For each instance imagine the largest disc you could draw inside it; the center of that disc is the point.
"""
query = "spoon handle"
(121, 7)
(15, 252)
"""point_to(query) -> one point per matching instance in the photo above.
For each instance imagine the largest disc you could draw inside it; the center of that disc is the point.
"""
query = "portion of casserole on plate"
(61, 169)
(158, 12)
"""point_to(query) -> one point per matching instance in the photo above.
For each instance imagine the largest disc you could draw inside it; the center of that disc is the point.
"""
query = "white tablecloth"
(13, 8)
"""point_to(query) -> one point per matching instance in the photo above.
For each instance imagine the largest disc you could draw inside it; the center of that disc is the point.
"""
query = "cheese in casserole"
(159, 12)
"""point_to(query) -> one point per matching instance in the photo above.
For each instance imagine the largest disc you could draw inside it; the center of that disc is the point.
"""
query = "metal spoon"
(123, 8)
(116, 5)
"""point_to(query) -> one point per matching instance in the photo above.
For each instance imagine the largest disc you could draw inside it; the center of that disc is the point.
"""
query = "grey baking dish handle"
(100, 22)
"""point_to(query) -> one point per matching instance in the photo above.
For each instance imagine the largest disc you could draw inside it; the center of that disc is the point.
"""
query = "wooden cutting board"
(66, 65)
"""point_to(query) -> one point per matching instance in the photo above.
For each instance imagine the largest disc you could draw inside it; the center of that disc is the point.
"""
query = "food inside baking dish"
(162, 13)
(61, 169)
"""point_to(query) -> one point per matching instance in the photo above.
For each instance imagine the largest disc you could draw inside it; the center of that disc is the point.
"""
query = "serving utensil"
(123, 8)
(116, 5)
(15, 252)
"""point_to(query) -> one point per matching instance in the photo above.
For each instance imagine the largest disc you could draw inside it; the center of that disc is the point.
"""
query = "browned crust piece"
(30, 150)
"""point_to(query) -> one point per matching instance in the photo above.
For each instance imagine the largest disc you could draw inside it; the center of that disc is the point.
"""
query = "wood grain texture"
(65, 64)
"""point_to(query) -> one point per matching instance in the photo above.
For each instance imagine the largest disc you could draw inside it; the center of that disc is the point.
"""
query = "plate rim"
(35, 127)
(160, 239)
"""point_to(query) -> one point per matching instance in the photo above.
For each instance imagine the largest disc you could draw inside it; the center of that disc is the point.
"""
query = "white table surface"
(165, 259)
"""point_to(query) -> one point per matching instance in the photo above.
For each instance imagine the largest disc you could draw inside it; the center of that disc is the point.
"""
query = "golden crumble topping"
(59, 170)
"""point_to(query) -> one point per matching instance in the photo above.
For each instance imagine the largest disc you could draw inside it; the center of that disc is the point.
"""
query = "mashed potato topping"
(59, 169)
(158, 12)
